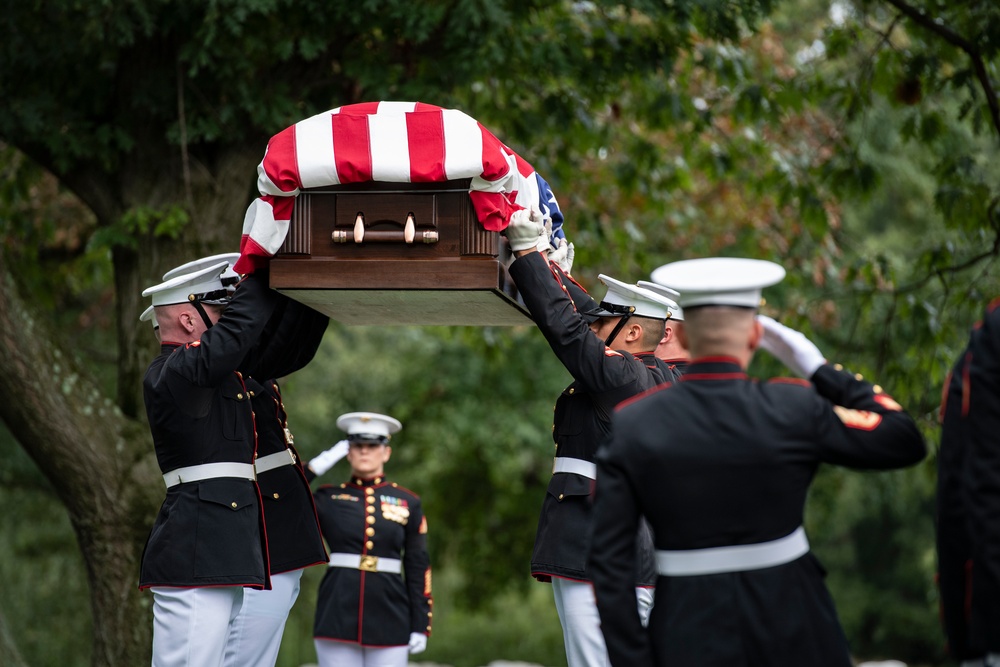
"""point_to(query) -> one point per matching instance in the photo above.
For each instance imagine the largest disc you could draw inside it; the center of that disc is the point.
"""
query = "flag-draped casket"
(390, 213)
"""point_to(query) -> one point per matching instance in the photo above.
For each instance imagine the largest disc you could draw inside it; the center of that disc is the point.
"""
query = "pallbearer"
(608, 349)
(207, 544)
(720, 465)
(294, 541)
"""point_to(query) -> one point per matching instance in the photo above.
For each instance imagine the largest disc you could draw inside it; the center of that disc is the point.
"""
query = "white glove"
(418, 642)
(322, 462)
(543, 244)
(526, 230)
(790, 347)
(562, 255)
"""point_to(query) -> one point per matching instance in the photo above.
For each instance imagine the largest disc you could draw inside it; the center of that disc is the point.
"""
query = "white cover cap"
(368, 426)
(149, 315)
(229, 277)
(668, 295)
(188, 287)
(719, 281)
(622, 296)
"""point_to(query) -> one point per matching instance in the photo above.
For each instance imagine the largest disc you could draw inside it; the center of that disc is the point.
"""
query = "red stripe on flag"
(352, 146)
(495, 165)
(280, 163)
(360, 109)
(252, 257)
(493, 209)
(281, 206)
(425, 137)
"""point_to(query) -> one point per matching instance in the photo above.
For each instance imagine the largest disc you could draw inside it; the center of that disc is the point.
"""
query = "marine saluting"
(375, 605)
(720, 465)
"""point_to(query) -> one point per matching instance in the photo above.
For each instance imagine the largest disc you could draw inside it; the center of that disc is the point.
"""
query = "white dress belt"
(208, 471)
(285, 457)
(366, 562)
(575, 466)
(737, 558)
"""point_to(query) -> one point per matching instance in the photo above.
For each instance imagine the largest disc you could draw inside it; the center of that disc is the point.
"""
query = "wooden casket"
(397, 253)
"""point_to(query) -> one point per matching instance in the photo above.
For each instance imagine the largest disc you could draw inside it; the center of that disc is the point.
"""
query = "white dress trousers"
(331, 653)
(191, 625)
(577, 608)
(255, 634)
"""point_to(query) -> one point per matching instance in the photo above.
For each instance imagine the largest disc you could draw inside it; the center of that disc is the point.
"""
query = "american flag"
(399, 142)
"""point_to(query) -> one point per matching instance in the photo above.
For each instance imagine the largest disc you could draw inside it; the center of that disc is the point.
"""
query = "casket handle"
(359, 228)
(408, 228)
(408, 234)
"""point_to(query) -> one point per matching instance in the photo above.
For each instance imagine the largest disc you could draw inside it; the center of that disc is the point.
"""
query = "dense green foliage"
(855, 143)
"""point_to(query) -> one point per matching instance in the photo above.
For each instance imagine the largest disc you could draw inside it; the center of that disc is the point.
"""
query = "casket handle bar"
(408, 234)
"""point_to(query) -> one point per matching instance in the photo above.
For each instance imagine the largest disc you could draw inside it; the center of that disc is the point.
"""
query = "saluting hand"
(791, 347)
(326, 460)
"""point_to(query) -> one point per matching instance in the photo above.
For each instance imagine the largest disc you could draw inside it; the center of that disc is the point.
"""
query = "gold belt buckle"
(369, 563)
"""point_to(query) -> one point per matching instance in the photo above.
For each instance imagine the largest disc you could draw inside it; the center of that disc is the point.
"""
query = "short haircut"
(717, 329)
(652, 330)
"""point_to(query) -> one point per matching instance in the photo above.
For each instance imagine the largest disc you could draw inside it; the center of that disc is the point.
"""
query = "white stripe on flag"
(527, 190)
(314, 151)
(463, 145)
(390, 148)
(395, 107)
(260, 225)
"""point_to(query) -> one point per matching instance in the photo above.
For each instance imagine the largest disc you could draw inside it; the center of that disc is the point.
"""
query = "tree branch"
(953, 38)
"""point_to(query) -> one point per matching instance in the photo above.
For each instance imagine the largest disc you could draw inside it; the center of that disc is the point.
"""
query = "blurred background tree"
(853, 142)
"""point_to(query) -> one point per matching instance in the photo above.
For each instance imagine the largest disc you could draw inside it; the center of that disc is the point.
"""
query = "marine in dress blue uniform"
(375, 604)
(286, 342)
(294, 539)
(608, 349)
(720, 465)
(207, 541)
(968, 532)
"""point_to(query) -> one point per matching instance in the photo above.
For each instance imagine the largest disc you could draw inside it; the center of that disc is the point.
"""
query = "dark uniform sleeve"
(864, 428)
(288, 342)
(596, 367)
(983, 427)
(613, 554)
(192, 372)
(417, 567)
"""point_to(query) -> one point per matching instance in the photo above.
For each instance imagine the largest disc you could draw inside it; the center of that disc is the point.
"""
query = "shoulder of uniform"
(790, 380)
(403, 489)
(643, 394)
